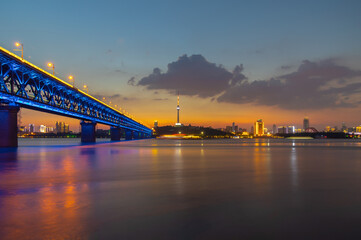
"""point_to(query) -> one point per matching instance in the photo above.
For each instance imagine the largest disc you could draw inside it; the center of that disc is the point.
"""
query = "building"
(306, 123)
(155, 124)
(274, 129)
(42, 129)
(344, 127)
(258, 129)
(178, 108)
(61, 127)
(31, 128)
(291, 129)
(282, 129)
(229, 129)
(233, 127)
(358, 129)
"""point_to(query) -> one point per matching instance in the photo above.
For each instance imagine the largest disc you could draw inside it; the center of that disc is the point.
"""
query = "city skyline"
(272, 61)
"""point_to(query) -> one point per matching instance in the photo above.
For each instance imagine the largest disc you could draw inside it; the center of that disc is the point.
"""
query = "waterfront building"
(306, 123)
(31, 128)
(358, 129)
(274, 129)
(343, 128)
(42, 129)
(61, 127)
(258, 129)
(155, 124)
(282, 130)
(291, 129)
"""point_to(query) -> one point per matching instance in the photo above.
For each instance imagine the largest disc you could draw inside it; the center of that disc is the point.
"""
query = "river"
(181, 189)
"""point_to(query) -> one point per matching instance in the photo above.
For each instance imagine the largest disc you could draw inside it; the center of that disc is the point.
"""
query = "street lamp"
(71, 79)
(51, 65)
(87, 89)
(17, 44)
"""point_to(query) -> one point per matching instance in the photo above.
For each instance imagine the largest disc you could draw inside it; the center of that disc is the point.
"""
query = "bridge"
(25, 85)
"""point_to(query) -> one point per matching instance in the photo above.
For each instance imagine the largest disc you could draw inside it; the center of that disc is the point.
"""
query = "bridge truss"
(28, 86)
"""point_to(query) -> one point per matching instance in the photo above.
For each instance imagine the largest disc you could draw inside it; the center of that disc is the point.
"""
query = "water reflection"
(190, 189)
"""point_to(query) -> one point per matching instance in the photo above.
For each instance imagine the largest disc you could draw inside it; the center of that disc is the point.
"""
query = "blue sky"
(105, 43)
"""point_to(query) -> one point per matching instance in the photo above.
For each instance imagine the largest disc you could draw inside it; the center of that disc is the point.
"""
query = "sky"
(231, 61)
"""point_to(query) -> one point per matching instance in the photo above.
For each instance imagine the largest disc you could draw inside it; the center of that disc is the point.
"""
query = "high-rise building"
(306, 123)
(274, 129)
(233, 127)
(42, 129)
(31, 128)
(61, 127)
(178, 108)
(258, 129)
(155, 124)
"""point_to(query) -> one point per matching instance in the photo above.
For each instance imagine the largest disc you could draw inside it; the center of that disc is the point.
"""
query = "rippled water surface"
(162, 189)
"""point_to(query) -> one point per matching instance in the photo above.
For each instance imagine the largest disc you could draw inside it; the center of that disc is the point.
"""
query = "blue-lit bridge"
(23, 84)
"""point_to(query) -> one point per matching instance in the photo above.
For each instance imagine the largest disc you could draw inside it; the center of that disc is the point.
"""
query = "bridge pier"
(135, 135)
(115, 133)
(128, 134)
(87, 132)
(9, 125)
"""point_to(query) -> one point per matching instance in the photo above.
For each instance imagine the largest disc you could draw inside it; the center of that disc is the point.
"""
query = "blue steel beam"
(31, 87)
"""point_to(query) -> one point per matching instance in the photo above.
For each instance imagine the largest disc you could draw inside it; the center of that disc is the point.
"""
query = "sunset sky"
(231, 61)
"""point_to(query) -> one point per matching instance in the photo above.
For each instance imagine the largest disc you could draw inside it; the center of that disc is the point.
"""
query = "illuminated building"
(291, 129)
(178, 123)
(358, 129)
(306, 123)
(155, 124)
(282, 130)
(61, 127)
(42, 129)
(258, 129)
(327, 129)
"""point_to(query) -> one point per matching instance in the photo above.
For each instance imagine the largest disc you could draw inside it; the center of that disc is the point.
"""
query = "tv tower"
(178, 123)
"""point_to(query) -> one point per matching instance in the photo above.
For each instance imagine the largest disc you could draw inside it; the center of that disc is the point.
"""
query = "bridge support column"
(135, 135)
(115, 133)
(9, 125)
(128, 134)
(87, 132)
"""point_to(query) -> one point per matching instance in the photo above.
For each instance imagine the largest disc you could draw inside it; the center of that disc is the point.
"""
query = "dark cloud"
(314, 85)
(193, 76)
(131, 81)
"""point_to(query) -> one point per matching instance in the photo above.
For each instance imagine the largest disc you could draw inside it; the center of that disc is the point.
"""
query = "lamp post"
(51, 65)
(17, 44)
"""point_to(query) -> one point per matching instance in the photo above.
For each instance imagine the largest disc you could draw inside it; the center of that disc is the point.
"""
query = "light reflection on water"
(208, 189)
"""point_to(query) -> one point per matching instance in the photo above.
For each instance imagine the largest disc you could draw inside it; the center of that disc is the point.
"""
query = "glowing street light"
(86, 88)
(51, 65)
(17, 44)
(71, 79)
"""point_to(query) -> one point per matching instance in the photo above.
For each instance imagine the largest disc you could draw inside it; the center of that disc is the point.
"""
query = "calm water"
(160, 189)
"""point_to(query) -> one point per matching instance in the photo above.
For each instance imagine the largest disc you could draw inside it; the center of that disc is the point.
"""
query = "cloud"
(193, 76)
(160, 99)
(113, 98)
(131, 81)
(314, 85)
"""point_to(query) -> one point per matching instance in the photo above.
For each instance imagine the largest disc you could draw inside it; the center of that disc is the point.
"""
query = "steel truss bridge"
(28, 86)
